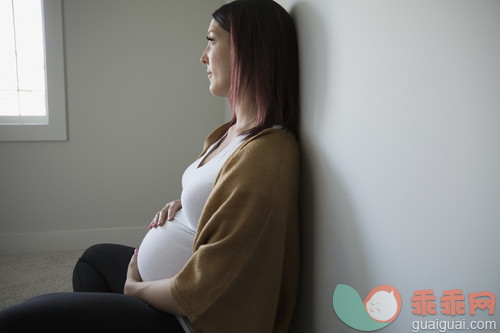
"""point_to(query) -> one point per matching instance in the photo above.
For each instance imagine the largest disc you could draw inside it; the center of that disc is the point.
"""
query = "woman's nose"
(204, 58)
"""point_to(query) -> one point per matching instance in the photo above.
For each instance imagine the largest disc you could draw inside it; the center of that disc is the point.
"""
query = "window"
(32, 94)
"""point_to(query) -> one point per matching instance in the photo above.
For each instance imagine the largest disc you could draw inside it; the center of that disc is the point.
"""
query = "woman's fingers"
(156, 220)
(162, 215)
(174, 207)
(167, 213)
(154, 223)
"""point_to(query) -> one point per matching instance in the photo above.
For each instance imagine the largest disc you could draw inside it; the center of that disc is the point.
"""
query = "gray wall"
(400, 137)
(138, 109)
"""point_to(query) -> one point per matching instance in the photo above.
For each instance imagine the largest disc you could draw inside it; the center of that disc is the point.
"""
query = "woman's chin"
(214, 90)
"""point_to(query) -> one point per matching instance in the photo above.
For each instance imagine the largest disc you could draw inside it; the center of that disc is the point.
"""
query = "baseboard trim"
(69, 240)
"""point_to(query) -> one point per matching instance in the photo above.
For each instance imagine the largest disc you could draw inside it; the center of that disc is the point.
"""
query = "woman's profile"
(224, 257)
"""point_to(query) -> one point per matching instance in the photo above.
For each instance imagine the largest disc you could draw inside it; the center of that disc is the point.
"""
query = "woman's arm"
(156, 293)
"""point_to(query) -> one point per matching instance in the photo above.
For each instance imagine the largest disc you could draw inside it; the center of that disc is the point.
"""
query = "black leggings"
(96, 305)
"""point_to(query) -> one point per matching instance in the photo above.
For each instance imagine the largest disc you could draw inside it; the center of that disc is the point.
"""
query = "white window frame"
(53, 126)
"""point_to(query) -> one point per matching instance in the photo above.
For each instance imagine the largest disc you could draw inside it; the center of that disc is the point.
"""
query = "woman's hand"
(133, 276)
(167, 213)
(156, 293)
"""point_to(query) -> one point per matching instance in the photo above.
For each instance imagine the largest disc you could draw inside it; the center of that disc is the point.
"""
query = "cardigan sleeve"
(243, 274)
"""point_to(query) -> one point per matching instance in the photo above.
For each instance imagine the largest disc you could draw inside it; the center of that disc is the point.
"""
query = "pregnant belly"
(165, 250)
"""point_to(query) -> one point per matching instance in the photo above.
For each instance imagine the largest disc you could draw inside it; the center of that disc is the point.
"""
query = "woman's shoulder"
(268, 159)
(266, 153)
(271, 141)
(271, 144)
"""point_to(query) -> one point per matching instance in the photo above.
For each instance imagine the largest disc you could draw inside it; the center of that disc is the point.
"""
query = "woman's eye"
(210, 39)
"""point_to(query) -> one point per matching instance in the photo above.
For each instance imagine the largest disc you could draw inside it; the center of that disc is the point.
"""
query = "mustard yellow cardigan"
(243, 275)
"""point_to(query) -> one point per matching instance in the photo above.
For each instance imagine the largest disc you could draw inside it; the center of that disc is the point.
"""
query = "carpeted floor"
(26, 275)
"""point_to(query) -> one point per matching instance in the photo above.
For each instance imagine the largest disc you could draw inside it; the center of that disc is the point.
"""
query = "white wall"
(400, 133)
(138, 110)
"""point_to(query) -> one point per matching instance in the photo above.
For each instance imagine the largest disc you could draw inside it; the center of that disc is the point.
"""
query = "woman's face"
(217, 57)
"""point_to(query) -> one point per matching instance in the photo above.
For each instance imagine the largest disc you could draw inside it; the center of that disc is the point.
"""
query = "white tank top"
(165, 250)
(197, 182)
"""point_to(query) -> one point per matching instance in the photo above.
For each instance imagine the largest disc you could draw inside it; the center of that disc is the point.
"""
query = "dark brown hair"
(264, 60)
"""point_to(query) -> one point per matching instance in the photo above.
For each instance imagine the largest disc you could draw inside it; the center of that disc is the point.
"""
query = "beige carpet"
(26, 275)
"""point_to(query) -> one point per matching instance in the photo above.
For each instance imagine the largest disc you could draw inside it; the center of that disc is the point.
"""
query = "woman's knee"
(102, 268)
(97, 250)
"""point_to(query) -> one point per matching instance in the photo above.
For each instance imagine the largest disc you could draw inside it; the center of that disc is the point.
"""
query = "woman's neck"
(246, 116)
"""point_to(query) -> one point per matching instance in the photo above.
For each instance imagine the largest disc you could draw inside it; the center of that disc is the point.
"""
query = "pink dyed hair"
(264, 62)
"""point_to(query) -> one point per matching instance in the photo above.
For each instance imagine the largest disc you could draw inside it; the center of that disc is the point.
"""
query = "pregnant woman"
(225, 257)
